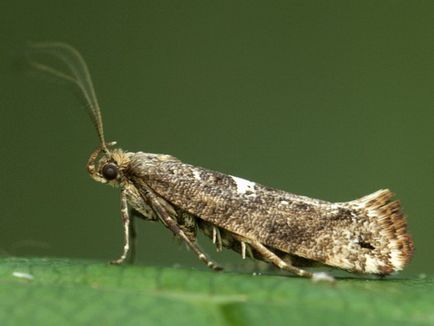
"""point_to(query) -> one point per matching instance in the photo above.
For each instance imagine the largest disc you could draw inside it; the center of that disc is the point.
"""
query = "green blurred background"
(333, 100)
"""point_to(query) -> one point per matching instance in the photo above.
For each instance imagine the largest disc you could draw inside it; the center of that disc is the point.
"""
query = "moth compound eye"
(110, 171)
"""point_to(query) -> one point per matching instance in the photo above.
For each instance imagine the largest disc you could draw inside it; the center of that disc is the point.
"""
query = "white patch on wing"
(196, 175)
(244, 186)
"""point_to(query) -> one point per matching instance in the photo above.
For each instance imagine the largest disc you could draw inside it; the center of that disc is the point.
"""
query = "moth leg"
(172, 225)
(246, 248)
(91, 166)
(217, 238)
(274, 259)
(126, 221)
(133, 237)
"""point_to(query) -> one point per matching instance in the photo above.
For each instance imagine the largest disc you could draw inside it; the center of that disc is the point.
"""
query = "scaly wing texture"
(367, 235)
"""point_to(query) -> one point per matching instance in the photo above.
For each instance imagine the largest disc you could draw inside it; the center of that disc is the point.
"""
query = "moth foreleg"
(128, 230)
(172, 225)
(277, 261)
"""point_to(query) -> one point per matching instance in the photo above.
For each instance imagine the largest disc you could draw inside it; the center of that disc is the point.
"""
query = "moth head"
(107, 166)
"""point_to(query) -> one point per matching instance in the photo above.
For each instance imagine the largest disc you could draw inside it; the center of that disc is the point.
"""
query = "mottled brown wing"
(345, 235)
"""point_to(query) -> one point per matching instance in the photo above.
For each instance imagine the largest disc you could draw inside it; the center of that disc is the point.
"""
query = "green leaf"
(64, 292)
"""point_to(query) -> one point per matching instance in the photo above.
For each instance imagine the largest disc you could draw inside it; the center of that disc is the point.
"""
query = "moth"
(366, 235)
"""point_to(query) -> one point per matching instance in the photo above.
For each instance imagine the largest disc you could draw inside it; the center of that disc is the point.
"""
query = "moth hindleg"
(217, 238)
(277, 261)
(173, 226)
(245, 247)
(129, 231)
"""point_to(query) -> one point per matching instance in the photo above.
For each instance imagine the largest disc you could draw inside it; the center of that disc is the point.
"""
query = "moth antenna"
(77, 73)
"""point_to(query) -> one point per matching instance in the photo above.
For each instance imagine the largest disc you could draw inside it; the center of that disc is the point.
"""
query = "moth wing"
(366, 235)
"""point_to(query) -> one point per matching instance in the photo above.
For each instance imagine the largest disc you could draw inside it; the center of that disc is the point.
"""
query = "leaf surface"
(67, 292)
